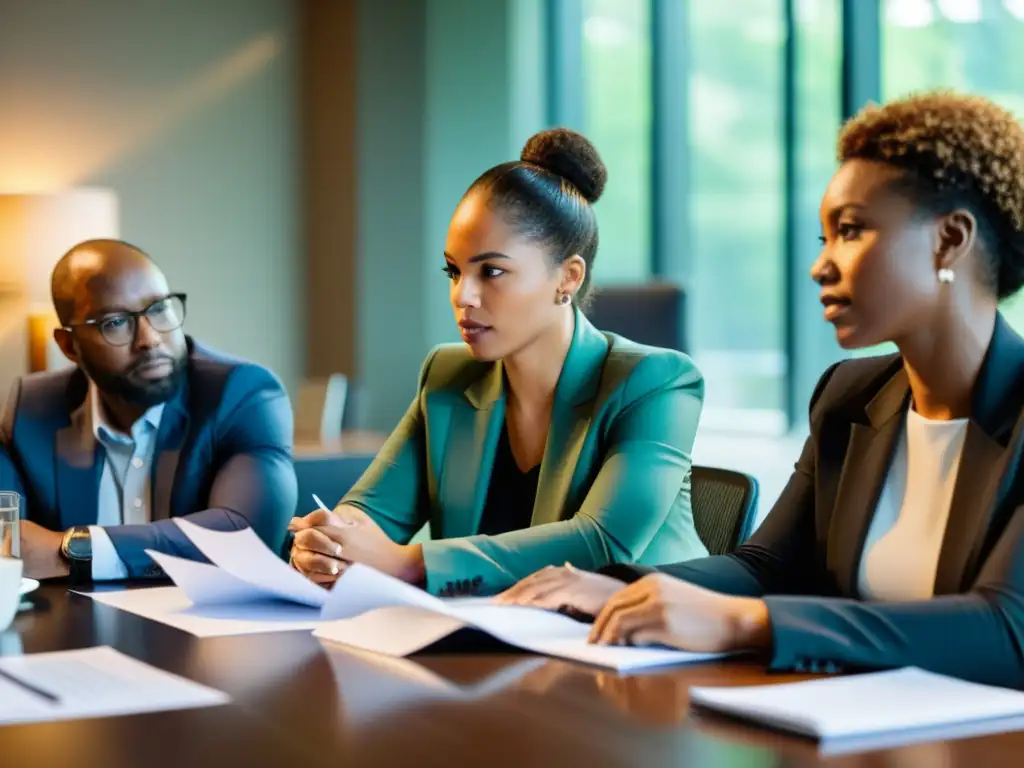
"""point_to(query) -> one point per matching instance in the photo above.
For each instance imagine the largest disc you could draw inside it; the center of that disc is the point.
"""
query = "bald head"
(120, 323)
(96, 267)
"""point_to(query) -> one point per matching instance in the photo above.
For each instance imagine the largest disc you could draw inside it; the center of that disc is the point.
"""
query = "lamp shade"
(36, 230)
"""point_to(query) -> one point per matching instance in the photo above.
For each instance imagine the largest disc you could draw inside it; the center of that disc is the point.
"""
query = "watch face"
(80, 546)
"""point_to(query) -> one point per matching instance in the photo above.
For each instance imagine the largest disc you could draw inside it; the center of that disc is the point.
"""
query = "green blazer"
(614, 483)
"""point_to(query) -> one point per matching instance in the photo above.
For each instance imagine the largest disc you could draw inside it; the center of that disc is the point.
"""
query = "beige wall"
(188, 110)
(407, 101)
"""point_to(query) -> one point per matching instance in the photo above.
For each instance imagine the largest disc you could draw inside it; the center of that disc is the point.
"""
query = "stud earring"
(563, 298)
(946, 276)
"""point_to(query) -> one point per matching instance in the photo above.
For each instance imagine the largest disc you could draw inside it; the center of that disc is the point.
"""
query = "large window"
(736, 282)
(750, 193)
(763, 85)
(617, 104)
(969, 45)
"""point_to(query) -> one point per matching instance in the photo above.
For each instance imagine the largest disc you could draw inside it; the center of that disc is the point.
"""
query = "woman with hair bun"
(899, 539)
(539, 440)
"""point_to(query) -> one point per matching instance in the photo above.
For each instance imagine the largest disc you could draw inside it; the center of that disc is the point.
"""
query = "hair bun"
(570, 155)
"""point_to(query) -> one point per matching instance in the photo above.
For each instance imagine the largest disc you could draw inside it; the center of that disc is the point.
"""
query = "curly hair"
(957, 151)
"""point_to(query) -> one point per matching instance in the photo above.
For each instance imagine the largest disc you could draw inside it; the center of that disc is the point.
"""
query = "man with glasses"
(148, 426)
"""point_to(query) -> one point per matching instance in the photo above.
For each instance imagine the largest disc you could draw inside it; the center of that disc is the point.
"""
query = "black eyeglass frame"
(134, 316)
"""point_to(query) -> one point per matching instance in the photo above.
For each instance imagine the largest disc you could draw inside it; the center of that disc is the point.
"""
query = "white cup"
(10, 590)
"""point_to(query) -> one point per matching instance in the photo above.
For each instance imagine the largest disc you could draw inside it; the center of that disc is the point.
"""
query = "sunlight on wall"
(55, 150)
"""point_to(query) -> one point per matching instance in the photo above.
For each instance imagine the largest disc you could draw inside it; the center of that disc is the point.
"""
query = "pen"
(323, 506)
(29, 687)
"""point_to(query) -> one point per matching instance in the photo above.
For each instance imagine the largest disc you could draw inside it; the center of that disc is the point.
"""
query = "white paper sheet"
(376, 612)
(92, 682)
(243, 555)
(411, 620)
(362, 589)
(171, 606)
(847, 713)
(207, 584)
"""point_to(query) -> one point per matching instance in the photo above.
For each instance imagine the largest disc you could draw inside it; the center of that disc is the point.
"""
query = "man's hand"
(40, 552)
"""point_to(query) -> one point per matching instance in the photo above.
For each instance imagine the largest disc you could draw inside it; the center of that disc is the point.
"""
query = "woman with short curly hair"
(899, 539)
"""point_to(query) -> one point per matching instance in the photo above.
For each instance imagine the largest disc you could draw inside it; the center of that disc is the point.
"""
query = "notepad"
(92, 682)
(873, 710)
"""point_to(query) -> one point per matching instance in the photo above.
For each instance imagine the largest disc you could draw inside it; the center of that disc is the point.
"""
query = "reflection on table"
(298, 701)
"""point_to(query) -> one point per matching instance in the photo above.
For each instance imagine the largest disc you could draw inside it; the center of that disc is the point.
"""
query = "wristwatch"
(76, 549)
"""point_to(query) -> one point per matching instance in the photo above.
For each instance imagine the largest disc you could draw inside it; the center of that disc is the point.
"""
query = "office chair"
(724, 507)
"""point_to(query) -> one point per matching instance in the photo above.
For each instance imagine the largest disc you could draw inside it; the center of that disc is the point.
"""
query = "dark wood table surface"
(298, 702)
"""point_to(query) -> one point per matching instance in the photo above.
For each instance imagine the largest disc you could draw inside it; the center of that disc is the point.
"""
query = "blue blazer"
(222, 458)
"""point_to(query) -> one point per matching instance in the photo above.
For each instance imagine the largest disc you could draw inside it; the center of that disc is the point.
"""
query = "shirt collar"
(101, 427)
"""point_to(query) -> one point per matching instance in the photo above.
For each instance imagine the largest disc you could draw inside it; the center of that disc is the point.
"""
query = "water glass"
(10, 526)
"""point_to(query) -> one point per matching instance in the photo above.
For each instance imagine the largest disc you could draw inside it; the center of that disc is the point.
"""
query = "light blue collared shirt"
(124, 492)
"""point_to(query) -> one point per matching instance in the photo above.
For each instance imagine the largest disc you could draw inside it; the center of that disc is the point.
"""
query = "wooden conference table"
(297, 702)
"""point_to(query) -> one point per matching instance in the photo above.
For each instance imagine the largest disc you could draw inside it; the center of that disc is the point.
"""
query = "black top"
(511, 493)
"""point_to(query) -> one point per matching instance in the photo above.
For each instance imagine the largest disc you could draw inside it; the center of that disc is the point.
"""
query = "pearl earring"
(946, 276)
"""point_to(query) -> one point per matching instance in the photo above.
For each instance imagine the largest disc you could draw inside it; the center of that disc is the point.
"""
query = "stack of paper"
(874, 710)
(92, 682)
(249, 589)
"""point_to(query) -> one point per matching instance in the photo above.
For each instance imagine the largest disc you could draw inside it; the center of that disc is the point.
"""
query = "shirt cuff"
(106, 564)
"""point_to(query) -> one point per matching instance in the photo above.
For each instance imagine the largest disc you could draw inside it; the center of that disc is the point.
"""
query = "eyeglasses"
(119, 328)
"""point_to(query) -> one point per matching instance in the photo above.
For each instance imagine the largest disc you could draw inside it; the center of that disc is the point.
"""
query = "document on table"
(394, 618)
(873, 710)
(248, 566)
(92, 682)
(172, 606)
(247, 588)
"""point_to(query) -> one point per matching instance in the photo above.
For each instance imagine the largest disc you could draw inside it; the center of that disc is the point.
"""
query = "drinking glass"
(10, 527)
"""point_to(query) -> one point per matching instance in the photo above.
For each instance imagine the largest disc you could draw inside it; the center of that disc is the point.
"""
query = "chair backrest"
(329, 476)
(320, 408)
(653, 314)
(724, 506)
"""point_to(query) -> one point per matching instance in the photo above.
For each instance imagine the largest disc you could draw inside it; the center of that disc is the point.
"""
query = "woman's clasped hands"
(326, 543)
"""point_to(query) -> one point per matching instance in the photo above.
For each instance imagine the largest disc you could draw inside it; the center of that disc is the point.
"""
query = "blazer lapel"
(170, 439)
(476, 424)
(79, 465)
(865, 468)
(566, 434)
(577, 388)
(989, 459)
(982, 464)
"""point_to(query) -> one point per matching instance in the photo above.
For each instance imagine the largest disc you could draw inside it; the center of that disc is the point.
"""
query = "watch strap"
(76, 548)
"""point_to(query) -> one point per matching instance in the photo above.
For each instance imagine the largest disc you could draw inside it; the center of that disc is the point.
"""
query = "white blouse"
(901, 551)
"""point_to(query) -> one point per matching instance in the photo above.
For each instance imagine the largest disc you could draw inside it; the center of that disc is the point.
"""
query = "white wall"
(188, 110)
